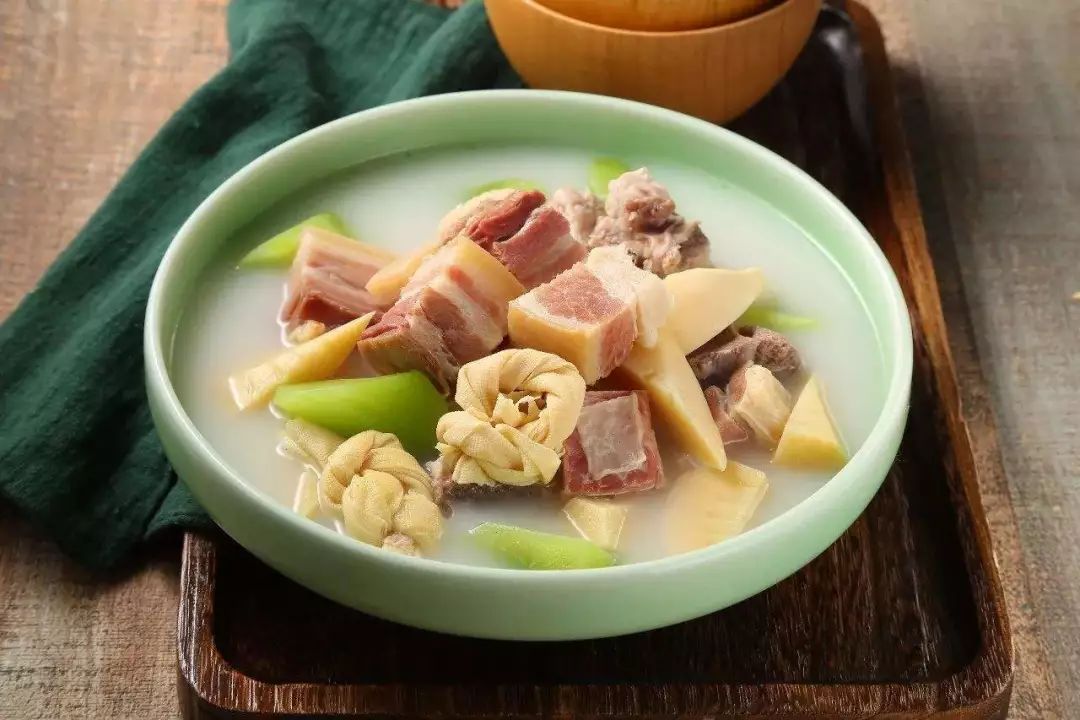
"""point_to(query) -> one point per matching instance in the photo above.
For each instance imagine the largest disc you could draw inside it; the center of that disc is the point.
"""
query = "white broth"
(231, 323)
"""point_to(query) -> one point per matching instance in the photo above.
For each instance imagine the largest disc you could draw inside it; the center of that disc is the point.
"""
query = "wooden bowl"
(657, 15)
(715, 73)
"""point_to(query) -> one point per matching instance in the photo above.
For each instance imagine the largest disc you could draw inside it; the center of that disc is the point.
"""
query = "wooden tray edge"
(993, 663)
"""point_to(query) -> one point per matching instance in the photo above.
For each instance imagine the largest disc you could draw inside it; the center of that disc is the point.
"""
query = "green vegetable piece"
(280, 250)
(405, 404)
(534, 550)
(770, 317)
(602, 171)
(504, 184)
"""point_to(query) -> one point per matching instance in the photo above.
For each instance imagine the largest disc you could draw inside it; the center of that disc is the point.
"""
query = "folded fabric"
(78, 453)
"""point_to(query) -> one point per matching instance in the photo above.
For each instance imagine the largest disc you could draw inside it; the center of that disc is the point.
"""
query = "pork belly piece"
(650, 297)
(328, 277)
(541, 249)
(613, 448)
(581, 210)
(592, 313)
(502, 219)
(528, 235)
(454, 222)
(640, 214)
(453, 310)
(386, 285)
(576, 317)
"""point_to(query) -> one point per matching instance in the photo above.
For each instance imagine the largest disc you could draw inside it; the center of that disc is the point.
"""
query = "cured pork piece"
(328, 277)
(649, 296)
(528, 235)
(500, 220)
(454, 222)
(640, 214)
(541, 249)
(592, 313)
(386, 284)
(613, 449)
(452, 311)
(518, 227)
(663, 372)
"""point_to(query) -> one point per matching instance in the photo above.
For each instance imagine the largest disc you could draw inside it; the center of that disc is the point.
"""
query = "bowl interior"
(744, 13)
(657, 15)
(296, 178)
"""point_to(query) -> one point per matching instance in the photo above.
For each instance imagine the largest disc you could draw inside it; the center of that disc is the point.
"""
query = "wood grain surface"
(989, 92)
(84, 84)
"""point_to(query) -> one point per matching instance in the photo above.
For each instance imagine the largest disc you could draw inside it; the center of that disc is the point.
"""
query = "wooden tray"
(902, 617)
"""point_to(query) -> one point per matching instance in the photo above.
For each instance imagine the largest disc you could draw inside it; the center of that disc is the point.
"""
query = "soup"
(234, 322)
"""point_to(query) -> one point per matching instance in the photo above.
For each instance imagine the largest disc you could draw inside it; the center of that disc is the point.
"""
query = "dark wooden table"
(990, 92)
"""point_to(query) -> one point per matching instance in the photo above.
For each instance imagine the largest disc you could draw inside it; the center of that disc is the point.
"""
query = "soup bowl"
(505, 603)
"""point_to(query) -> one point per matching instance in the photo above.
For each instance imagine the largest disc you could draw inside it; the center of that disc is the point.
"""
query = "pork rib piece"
(717, 360)
(581, 210)
(328, 277)
(613, 449)
(592, 313)
(640, 214)
(452, 311)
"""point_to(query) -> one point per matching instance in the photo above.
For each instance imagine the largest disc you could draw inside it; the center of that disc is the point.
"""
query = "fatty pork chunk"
(452, 311)
(640, 214)
(592, 313)
(613, 448)
(328, 277)
(527, 235)
(721, 367)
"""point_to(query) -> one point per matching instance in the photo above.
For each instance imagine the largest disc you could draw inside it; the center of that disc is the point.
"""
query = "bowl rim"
(782, 6)
(896, 325)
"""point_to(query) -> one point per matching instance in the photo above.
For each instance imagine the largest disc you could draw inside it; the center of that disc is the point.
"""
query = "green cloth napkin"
(78, 453)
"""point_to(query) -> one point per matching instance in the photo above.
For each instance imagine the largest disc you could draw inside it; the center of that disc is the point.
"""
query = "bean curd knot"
(381, 493)
(518, 408)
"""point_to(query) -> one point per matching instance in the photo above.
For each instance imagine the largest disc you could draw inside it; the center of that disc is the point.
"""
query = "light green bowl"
(519, 604)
